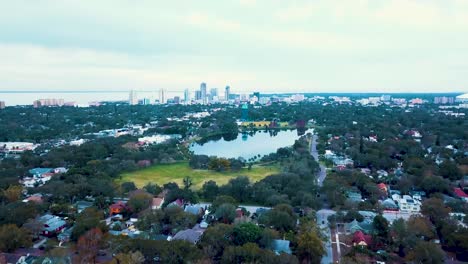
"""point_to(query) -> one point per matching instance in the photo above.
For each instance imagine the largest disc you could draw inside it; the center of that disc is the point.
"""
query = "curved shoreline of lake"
(248, 144)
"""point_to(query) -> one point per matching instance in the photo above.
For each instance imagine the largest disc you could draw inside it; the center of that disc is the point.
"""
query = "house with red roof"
(117, 208)
(361, 239)
(156, 203)
(460, 194)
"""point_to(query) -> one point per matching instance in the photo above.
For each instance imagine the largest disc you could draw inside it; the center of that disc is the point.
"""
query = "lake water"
(247, 145)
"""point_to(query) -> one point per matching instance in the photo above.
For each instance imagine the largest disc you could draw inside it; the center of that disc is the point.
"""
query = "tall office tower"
(2, 104)
(203, 92)
(198, 95)
(133, 99)
(227, 93)
(176, 99)
(186, 96)
(162, 96)
(214, 92)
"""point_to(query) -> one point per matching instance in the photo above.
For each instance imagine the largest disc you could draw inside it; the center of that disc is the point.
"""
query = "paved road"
(322, 221)
(40, 243)
(313, 151)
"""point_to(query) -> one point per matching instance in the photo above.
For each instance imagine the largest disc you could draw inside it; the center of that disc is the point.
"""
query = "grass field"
(165, 173)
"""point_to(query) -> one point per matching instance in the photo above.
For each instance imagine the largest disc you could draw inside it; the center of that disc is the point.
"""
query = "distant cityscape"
(215, 96)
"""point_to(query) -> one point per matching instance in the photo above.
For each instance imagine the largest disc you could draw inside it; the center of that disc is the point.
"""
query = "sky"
(261, 45)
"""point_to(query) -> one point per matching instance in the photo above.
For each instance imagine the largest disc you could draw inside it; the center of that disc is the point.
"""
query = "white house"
(407, 203)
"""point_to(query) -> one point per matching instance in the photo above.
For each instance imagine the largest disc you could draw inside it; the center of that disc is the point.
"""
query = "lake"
(247, 145)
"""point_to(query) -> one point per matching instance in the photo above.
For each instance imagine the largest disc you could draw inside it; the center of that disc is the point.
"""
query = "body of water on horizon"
(12, 98)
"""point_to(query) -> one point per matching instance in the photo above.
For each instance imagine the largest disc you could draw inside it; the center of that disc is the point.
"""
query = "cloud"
(205, 21)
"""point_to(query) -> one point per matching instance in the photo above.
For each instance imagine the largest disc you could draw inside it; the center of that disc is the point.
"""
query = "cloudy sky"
(266, 45)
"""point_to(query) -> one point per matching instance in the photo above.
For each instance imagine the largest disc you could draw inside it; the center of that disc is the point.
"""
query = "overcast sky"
(266, 45)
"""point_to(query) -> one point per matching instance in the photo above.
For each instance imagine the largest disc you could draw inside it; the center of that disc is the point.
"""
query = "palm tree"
(187, 182)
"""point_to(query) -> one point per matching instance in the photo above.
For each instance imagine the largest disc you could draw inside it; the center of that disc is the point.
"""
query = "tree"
(215, 239)
(226, 213)
(381, 229)
(239, 188)
(140, 201)
(152, 188)
(34, 227)
(88, 246)
(128, 258)
(421, 227)
(448, 169)
(187, 182)
(210, 190)
(310, 247)
(399, 230)
(13, 193)
(267, 237)
(435, 209)
(86, 220)
(128, 187)
(245, 233)
(222, 199)
(281, 218)
(251, 253)
(426, 252)
(12, 237)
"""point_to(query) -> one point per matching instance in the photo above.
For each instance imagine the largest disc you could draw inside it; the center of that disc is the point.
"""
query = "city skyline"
(299, 46)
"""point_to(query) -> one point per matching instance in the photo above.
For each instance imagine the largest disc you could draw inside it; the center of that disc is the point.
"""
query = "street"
(313, 151)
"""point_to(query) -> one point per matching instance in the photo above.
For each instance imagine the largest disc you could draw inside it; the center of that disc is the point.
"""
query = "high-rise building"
(444, 100)
(186, 96)
(385, 97)
(198, 95)
(214, 92)
(203, 92)
(227, 93)
(2, 104)
(146, 101)
(133, 98)
(48, 102)
(162, 96)
(176, 99)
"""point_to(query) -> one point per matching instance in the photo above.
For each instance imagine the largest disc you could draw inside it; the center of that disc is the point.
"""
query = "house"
(368, 214)
(239, 213)
(194, 209)
(178, 202)
(157, 203)
(354, 195)
(280, 246)
(117, 208)
(190, 235)
(364, 226)
(389, 205)
(82, 205)
(383, 189)
(65, 236)
(361, 239)
(382, 174)
(407, 203)
(38, 172)
(460, 194)
(52, 225)
(35, 198)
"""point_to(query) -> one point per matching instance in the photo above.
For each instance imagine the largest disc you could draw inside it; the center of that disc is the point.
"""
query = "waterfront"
(247, 145)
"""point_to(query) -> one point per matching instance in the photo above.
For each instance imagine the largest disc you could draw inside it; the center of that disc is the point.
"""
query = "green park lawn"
(175, 172)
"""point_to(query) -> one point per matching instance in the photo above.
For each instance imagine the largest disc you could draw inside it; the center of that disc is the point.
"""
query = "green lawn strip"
(175, 172)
